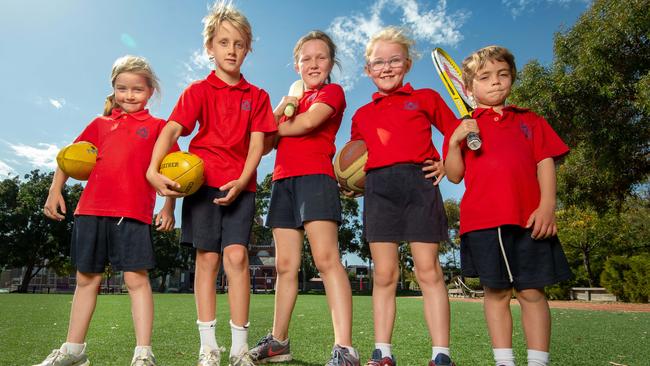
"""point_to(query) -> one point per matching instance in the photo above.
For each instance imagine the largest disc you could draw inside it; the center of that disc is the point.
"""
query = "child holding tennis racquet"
(507, 219)
(402, 203)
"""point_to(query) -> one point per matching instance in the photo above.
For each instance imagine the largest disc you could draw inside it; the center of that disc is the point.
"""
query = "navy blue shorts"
(212, 227)
(123, 242)
(296, 200)
(400, 204)
(533, 263)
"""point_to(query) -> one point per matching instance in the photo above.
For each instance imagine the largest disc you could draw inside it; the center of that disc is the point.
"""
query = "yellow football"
(184, 168)
(77, 160)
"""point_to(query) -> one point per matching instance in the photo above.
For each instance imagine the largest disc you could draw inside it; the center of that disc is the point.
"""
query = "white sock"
(207, 334)
(239, 338)
(537, 358)
(504, 356)
(385, 348)
(436, 350)
(142, 351)
(73, 348)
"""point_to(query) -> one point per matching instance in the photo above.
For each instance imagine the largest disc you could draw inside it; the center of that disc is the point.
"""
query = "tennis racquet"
(451, 76)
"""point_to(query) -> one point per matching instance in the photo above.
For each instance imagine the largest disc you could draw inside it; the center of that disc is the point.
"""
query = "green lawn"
(32, 325)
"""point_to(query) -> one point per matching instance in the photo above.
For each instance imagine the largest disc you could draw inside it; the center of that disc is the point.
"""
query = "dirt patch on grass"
(582, 305)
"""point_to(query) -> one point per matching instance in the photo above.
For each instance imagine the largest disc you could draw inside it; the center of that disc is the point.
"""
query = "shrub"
(628, 277)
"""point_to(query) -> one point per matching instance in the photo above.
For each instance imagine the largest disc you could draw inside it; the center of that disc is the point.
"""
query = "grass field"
(32, 325)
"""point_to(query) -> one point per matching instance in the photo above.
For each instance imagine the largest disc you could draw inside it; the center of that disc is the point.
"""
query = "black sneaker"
(441, 360)
(268, 349)
(377, 360)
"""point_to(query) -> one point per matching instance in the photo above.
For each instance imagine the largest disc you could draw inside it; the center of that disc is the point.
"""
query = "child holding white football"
(112, 220)
(305, 200)
(401, 201)
(233, 117)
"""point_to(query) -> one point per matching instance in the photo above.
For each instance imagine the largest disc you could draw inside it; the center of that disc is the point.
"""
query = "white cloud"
(518, 7)
(5, 170)
(41, 156)
(196, 68)
(428, 27)
(57, 103)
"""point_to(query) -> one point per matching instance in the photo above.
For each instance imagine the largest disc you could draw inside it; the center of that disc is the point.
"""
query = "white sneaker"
(143, 358)
(242, 359)
(210, 358)
(60, 357)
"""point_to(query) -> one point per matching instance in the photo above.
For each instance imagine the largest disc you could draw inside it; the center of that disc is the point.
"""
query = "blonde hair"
(477, 60)
(223, 11)
(137, 65)
(319, 35)
(393, 35)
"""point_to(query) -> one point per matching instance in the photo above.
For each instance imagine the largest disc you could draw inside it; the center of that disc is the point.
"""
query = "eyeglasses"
(379, 64)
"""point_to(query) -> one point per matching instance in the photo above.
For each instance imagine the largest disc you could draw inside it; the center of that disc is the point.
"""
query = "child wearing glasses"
(402, 200)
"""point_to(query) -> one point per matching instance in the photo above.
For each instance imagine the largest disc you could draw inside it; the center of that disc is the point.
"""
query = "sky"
(57, 55)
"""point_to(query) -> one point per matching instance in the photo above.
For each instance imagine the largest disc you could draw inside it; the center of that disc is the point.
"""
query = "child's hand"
(165, 219)
(234, 188)
(163, 185)
(350, 194)
(53, 203)
(435, 169)
(464, 128)
(279, 109)
(543, 219)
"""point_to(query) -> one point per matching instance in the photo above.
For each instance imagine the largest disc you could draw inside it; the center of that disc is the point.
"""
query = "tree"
(170, 255)
(29, 239)
(595, 94)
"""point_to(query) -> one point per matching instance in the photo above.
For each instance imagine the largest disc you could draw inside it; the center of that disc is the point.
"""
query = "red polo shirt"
(397, 127)
(312, 153)
(117, 185)
(227, 114)
(501, 186)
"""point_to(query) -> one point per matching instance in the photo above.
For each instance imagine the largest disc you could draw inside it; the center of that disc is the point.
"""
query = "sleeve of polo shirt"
(447, 135)
(90, 133)
(546, 142)
(262, 119)
(187, 109)
(439, 113)
(355, 134)
(332, 95)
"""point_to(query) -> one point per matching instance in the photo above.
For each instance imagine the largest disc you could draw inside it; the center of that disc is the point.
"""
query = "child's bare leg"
(498, 317)
(323, 240)
(205, 288)
(235, 264)
(434, 291)
(83, 306)
(385, 276)
(535, 318)
(141, 305)
(288, 247)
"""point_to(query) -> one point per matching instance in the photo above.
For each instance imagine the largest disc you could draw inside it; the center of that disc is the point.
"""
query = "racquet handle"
(289, 110)
(474, 141)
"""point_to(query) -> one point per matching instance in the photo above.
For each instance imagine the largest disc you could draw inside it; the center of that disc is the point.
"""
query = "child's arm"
(306, 122)
(165, 218)
(168, 136)
(454, 164)
(543, 217)
(252, 160)
(55, 199)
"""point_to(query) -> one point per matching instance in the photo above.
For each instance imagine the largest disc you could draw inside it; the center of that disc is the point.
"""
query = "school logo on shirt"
(246, 105)
(311, 97)
(142, 132)
(410, 106)
(525, 130)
